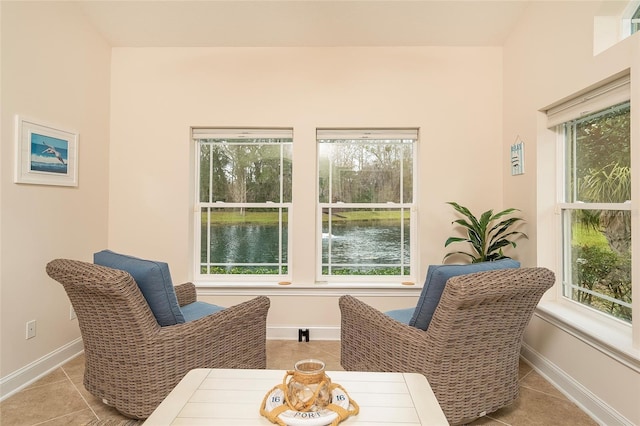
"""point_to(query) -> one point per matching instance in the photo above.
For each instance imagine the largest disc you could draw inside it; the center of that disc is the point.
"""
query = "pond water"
(364, 244)
(349, 244)
(237, 244)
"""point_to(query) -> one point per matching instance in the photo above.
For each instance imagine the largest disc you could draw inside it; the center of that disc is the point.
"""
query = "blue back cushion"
(437, 276)
(153, 279)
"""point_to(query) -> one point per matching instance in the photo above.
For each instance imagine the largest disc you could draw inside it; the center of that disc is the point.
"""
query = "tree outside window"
(244, 200)
(365, 202)
(597, 216)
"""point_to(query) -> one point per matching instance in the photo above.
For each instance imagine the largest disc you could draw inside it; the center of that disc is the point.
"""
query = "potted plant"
(487, 234)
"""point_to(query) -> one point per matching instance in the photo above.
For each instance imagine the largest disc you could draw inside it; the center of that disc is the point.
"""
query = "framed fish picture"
(45, 155)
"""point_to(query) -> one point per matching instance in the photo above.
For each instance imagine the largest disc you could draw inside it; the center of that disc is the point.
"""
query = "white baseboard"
(597, 409)
(39, 368)
(315, 333)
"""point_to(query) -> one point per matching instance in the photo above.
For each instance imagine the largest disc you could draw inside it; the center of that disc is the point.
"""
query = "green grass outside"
(585, 236)
(364, 215)
(270, 217)
(581, 235)
(227, 217)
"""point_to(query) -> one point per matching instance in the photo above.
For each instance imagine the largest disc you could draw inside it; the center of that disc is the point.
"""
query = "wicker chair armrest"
(232, 338)
(186, 293)
(373, 341)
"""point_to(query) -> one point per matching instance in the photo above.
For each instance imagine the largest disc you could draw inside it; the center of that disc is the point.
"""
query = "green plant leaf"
(454, 240)
(472, 258)
(486, 235)
(504, 213)
(501, 228)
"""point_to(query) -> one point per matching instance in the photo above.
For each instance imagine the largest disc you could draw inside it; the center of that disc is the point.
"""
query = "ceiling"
(290, 23)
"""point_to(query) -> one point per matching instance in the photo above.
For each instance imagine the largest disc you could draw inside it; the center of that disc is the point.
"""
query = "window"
(595, 205)
(634, 22)
(366, 201)
(243, 201)
(613, 22)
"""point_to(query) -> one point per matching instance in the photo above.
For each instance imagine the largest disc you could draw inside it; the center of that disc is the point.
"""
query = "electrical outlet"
(31, 329)
(72, 313)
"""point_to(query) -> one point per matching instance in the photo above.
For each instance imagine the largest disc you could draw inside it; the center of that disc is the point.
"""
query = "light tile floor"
(60, 398)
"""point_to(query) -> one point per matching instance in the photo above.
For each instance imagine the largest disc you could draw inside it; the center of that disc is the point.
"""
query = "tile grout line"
(540, 391)
(498, 420)
(562, 398)
(80, 393)
(58, 417)
(526, 375)
(35, 386)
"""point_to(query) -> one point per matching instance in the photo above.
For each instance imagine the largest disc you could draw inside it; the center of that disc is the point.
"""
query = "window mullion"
(209, 147)
(595, 206)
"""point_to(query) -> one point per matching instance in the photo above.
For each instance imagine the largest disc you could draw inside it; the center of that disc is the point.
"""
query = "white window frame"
(610, 335)
(612, 23)
(614, 92)
(234, 279)
(368, 134)
(628, 20)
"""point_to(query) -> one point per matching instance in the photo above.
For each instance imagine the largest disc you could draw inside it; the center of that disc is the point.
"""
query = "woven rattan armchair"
(470, 351)
(132, 363)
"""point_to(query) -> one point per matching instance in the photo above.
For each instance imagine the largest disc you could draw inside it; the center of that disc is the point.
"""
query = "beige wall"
(453, 95)
(55, 68)
(538, 71)
(133, 108)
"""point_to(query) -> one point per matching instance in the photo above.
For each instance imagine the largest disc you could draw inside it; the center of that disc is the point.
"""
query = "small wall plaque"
(517, 158)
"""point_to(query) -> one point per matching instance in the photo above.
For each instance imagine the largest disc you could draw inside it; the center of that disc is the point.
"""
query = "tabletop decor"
(307, 397)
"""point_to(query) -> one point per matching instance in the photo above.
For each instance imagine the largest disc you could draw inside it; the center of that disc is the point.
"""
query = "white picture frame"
(45, 155)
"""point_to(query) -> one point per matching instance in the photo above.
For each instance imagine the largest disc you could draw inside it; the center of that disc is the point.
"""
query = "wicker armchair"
(132, 363)
(470, 351)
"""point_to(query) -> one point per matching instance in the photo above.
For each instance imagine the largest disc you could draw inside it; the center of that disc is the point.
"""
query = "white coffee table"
(233, 397)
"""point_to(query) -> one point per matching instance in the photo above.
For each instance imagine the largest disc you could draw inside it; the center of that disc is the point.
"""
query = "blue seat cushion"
(402, 315)
(437, 276)
(196, 310)
(153, 279)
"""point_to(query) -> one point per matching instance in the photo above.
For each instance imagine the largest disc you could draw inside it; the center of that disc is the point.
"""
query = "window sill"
(610, 337)
(315, 289)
